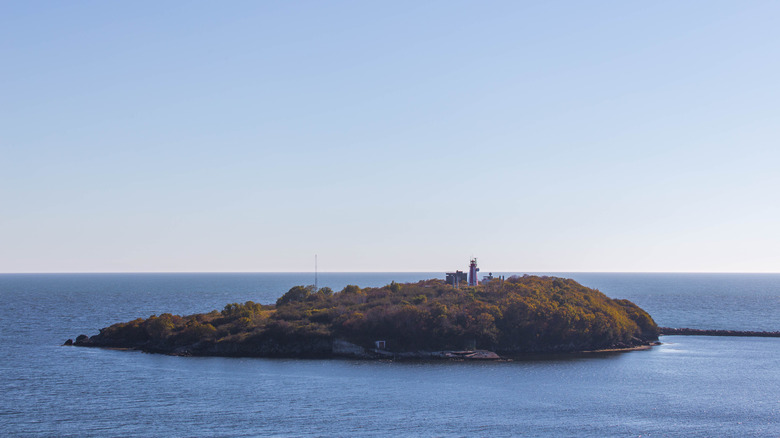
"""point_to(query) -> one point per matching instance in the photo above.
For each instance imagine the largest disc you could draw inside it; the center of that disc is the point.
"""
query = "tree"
(350, 289)
(325, 292)
(295, 295)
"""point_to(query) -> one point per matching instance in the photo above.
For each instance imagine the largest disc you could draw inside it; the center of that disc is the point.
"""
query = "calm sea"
(689, 386)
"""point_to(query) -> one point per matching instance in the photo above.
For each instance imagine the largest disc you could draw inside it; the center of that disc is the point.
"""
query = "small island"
(429, 319)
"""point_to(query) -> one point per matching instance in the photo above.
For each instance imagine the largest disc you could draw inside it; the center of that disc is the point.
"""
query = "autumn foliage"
(518, 315)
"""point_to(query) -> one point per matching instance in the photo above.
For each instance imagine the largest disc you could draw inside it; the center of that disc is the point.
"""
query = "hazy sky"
(390, 136)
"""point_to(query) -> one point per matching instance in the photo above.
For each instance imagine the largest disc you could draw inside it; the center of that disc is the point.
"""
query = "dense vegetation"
(519, 315)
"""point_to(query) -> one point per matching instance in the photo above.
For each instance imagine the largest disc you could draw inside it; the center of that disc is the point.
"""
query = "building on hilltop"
(456, 278)
(473, 269)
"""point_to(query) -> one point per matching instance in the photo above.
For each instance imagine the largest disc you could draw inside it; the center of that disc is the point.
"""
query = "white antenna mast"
(315, 273)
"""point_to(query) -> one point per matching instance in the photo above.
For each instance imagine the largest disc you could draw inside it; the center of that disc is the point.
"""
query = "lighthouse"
(473, 269)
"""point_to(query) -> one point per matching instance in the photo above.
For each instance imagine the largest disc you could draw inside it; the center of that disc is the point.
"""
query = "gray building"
(456, 278)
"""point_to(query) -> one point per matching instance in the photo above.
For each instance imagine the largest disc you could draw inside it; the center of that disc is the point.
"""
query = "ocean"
(688, 386)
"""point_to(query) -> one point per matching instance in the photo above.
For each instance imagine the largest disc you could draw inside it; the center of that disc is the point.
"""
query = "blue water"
(689, 386)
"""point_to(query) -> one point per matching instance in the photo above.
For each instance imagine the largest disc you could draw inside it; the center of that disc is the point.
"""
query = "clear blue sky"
(389, 136)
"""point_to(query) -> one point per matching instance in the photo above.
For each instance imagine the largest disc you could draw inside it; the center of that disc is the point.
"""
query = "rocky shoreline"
(337, 348)
(331, 349)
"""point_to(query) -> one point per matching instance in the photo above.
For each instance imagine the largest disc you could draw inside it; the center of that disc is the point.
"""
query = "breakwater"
(703, 332)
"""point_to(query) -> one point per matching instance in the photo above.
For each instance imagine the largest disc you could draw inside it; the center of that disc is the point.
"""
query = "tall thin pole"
(315, 273)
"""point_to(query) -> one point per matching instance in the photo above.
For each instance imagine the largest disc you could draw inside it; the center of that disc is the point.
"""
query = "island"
(502, 318)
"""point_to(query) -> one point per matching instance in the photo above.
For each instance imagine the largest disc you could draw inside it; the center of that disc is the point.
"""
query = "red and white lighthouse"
(473, 269)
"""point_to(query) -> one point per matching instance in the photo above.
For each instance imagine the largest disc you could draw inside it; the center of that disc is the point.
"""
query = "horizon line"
(379, 272)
